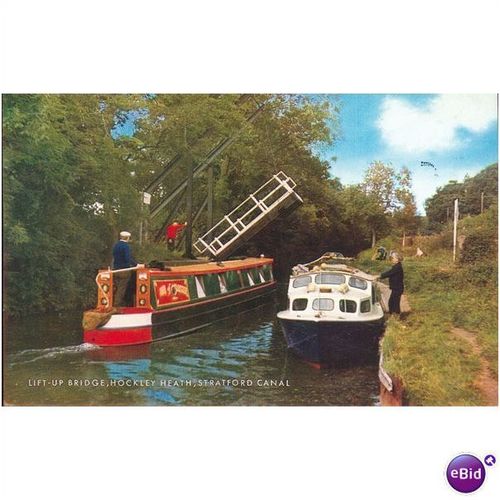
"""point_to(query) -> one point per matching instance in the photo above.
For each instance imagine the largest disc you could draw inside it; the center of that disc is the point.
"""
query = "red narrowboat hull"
(135, 326)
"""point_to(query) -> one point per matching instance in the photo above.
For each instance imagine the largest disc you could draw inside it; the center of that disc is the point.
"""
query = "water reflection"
(237, 362)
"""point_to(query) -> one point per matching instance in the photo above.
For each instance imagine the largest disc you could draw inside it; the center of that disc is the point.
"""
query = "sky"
(456, 133)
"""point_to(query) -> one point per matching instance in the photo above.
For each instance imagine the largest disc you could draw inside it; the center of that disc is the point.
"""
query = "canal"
(243, 361)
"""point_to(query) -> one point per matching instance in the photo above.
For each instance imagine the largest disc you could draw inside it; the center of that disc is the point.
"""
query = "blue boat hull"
(326, 344)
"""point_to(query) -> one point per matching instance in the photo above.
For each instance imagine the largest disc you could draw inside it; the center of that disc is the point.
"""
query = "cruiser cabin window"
(330, 279)
(299, 305)
(323, 304)
(365, 306)
(358, 283)
(347, 306)
(301, 281)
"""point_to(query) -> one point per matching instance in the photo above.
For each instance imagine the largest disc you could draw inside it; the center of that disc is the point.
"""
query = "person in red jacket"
(172, 233)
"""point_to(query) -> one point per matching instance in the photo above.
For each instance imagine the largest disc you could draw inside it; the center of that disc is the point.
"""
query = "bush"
(479, 245)
(479, 273)
(430, 244)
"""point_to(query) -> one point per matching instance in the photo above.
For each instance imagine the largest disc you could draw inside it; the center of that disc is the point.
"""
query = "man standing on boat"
(396, 282)
(122, 259)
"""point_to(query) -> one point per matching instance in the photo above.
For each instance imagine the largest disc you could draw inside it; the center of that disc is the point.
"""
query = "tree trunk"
(374, 238)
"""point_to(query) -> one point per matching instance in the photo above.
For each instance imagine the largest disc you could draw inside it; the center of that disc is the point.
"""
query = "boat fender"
(311, 287)
(94, 319)
(344, 288)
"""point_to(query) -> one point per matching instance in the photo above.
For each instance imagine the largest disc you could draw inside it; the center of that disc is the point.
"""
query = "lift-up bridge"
(275, 197)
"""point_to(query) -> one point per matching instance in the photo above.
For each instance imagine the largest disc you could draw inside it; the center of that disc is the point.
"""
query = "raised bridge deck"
(275, 197)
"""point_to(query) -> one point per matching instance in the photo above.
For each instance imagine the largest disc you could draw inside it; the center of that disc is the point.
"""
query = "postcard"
(256, 250)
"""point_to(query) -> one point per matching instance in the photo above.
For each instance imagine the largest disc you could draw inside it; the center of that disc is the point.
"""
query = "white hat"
(125, 234)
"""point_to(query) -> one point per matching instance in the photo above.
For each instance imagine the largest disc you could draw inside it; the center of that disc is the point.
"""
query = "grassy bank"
(437, 367)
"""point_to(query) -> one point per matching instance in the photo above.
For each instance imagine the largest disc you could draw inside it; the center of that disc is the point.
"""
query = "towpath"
(485, 381)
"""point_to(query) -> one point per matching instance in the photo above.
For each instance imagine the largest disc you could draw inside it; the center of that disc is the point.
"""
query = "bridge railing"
(254, 213)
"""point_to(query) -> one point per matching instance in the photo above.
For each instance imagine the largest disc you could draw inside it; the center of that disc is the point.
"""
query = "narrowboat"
(333, 317)
(177, 299)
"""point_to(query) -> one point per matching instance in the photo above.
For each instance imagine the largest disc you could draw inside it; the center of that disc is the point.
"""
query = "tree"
(380, 182)
(362, 215)
(67, 190)
(405, 214)
(392, 192)
(484, 185)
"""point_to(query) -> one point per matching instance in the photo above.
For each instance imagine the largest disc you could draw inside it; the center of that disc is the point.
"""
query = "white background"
(259, 46)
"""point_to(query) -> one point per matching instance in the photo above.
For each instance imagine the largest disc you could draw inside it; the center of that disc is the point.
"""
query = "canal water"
(243, 361)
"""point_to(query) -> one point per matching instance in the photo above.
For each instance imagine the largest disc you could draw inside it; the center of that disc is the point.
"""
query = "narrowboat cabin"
(177, 300)
(333, 316)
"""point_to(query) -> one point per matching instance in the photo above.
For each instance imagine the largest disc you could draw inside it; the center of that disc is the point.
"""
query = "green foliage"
(479, 245)
(67, 193)
(380, 181)
(481, 236)
(150, 251)
(391, 190)
(439, 208)
(361, 215)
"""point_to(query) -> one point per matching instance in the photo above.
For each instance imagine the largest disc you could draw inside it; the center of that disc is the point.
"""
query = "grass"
(436, 367)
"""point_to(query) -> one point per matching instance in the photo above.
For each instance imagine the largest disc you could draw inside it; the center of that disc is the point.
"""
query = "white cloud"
(433, 126)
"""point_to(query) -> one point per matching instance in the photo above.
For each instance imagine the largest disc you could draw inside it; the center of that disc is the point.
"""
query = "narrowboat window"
(212, 285)
(358, 283)
(299, 304)
(222, 283)
(267, 272)
(323, 304)
(348, 306)
(244, 278)
(365, 306)
(301, 281)
(232, 280)
(330, 279)
(193, 291)
(255, 276)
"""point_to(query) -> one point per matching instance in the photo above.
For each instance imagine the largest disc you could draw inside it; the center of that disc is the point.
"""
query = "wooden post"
(210, 207)
(188, 252)
(482, 201)
(455, 225)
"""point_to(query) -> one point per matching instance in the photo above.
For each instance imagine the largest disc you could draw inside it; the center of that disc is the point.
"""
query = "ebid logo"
(466, 473)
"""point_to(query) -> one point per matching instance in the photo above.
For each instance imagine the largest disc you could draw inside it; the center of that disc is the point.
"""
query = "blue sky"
(456, 133)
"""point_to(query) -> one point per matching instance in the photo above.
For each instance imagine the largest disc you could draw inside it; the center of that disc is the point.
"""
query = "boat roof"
(205, 267)
(336, 268)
